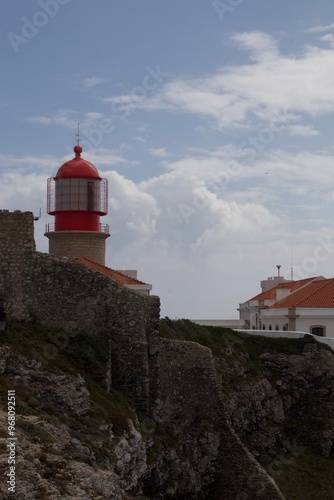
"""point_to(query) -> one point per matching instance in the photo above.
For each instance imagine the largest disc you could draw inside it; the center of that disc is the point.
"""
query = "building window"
(318, 330)
(270, 327)
(277, 328)
(263, 327)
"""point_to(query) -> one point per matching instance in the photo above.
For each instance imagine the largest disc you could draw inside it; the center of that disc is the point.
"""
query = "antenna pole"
(291, 263)
(77, 135)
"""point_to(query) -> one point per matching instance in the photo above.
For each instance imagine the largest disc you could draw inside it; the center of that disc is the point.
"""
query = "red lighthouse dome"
(77, 196)
(78, 167)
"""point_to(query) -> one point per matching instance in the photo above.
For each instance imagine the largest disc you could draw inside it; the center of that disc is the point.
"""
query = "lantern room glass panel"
(78, 194)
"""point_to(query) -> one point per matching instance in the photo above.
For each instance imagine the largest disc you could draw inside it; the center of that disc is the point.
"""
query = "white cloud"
(183, 209)
(136, 211)
(92, 81)
(104, 157)
(261, 45)
(241, 221)
(93, 116)
(200, 129)
(321, 29)
(125, 99)
(66, 118)
(158, 152)
(237, 94)
(303, 130)
(25, 192)
(143, 128)
(43, 120)
(90, 120)
(293, 175)
(138, 138)
(61, 117)
(28, 163)
(329, 38)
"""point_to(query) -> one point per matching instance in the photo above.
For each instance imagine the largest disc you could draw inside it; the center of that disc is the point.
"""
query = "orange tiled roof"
(118, 276)
(290, 285)
(318, 294)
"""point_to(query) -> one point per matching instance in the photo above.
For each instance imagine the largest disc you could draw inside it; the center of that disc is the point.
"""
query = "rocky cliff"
(217, 407)
(278, 396)
(76, 439)
(111, 402)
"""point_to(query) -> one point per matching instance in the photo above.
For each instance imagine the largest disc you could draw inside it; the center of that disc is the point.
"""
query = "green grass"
(75, 352)
(238, 348)
(307, 476)
(58, 350)
(218, 339)
(215, 338)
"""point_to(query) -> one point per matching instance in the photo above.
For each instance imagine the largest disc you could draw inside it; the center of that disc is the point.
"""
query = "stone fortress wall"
(62, 293)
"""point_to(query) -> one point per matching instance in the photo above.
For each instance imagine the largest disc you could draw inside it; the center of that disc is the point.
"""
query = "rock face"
(293, 393)
(64, 392)
(304, 384)
(185, 449)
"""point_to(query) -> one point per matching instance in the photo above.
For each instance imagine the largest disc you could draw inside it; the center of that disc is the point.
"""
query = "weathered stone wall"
(16, 247)
(185, 372)
(60, 292)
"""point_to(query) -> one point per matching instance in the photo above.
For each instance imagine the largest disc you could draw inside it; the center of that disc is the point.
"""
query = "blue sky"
(212, 120)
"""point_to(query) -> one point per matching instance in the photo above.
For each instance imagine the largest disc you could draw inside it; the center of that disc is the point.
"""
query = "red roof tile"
(318, 294)
(290, 285)
(118, 276)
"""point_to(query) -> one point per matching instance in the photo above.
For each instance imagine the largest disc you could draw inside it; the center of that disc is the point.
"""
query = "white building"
(305, 305)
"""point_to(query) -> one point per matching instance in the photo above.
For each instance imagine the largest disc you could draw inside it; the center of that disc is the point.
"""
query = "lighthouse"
(77, 197)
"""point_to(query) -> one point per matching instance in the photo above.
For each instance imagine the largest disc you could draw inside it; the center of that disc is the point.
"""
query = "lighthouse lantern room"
(77, 197)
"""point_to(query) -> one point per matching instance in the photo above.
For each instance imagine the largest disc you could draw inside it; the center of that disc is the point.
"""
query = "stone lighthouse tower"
(77, 197)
